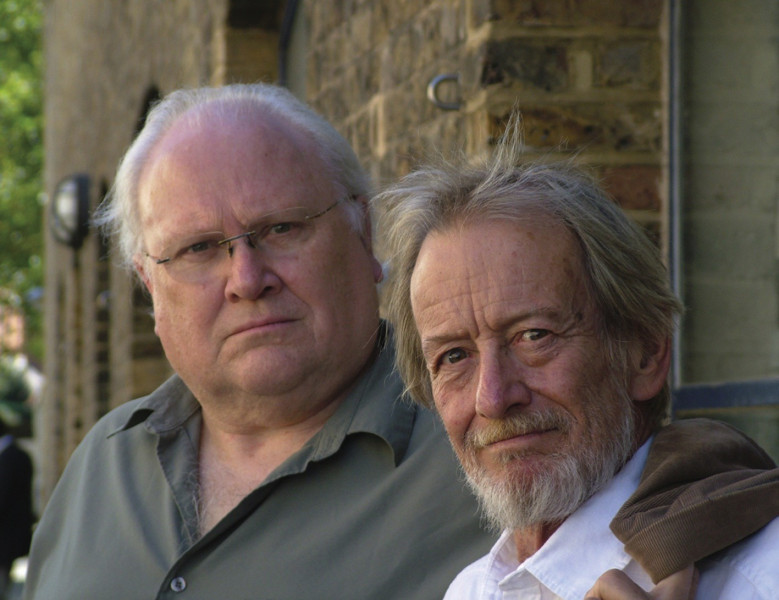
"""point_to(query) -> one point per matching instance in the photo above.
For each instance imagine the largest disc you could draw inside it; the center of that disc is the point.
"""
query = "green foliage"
(15, 413)
(21, 158)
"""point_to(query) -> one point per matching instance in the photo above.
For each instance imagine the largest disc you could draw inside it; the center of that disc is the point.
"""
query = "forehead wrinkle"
(442, 332)
(496, 298)
(438, 313)
(277, 167)
(192, 218)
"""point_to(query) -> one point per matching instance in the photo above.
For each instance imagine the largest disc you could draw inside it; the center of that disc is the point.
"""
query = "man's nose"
(500, 384)
(250, 272)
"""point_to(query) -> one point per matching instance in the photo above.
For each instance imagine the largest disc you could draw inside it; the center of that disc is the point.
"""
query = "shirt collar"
(582, 549)
(374, 405)
(167, 408)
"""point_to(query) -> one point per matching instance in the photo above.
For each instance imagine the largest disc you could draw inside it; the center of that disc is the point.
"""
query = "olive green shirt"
(371, 507)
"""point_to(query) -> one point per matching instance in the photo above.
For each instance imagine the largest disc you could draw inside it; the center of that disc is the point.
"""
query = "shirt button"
(178, 584)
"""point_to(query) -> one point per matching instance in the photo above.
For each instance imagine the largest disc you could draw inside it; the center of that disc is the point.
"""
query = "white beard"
(515, 500)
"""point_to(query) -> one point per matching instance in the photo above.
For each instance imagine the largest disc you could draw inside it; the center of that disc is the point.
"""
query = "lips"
(511, 436)
(261, 324)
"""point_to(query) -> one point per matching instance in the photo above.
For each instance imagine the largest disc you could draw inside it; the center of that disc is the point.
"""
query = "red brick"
(634, 187)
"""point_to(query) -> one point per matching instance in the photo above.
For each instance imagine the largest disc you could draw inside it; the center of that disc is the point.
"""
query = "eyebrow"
(430, 343)
(260, 219)
(434, 341)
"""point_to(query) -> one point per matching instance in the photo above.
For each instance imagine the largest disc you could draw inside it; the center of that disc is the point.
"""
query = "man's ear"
(650, 366)
(147, 282)
(365, 221)
(139, 268)
(367, 237)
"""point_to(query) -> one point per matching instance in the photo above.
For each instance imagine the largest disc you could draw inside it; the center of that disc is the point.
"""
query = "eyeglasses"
(199, 257)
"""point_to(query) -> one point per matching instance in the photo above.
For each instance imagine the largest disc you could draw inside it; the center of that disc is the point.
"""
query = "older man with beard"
(536, 318)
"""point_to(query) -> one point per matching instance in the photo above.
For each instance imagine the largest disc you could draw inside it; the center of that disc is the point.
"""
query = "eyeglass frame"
(248, 234)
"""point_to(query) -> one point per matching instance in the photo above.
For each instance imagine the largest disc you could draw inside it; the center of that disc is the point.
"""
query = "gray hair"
(623, 268)
(119, 217)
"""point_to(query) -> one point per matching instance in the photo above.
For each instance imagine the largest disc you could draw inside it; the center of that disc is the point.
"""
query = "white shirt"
(584, 547)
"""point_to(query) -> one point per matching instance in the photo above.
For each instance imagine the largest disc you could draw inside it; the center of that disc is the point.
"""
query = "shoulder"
(170, 404)
(124, 429)
(746, 570)
(113, 421)
(97, 451)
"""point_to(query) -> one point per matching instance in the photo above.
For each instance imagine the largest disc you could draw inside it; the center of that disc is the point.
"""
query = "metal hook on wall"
(432, 91)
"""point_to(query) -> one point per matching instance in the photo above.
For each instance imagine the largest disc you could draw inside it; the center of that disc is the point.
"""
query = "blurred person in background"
(16, 513)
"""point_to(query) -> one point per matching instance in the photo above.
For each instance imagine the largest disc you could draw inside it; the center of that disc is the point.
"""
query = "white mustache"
(516, 425)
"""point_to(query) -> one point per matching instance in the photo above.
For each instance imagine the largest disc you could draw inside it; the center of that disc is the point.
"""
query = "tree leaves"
(21, 156)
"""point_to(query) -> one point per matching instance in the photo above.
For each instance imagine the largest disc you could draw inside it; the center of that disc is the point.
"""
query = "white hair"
(119, 216)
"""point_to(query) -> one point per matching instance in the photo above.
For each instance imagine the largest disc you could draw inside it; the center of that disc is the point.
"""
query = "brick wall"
(587, 75)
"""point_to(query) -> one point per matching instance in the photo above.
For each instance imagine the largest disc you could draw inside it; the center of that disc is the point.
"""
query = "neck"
(529, 540)
(644, 430)
(253, 451)
(235, 461)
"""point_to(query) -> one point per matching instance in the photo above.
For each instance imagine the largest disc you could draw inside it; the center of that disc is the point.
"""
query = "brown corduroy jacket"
(705, 486)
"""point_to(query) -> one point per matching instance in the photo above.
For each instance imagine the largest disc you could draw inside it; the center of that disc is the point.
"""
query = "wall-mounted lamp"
(69, 216)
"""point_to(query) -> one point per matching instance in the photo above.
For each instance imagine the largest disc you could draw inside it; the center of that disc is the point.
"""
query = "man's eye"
(199, 247)
(533, 335)
(202, 250)
(453, 356)
(279, 228)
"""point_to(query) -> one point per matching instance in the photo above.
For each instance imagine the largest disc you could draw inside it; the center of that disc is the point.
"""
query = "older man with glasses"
(279, 461)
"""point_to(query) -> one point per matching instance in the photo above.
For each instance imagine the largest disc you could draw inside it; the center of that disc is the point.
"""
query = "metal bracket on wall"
(432, 91)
